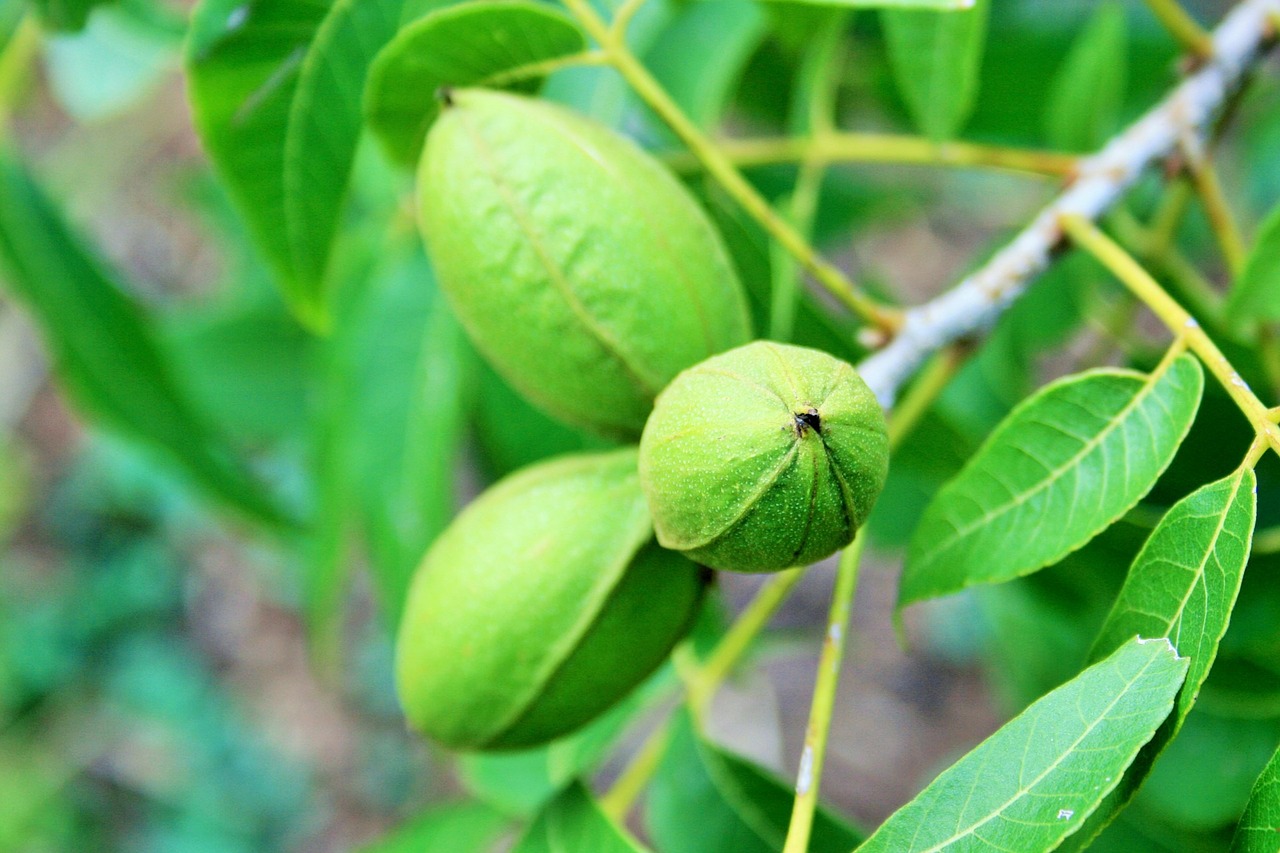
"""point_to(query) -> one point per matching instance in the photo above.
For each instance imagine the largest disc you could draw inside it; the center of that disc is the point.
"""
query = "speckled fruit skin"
(764, 457)
(584, 272)
(544, 603)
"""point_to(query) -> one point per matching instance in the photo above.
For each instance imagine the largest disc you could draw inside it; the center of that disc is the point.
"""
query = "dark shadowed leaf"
(107, 351)
(573, 823)
(706, 800)
(1256, 295)
(1063, 466)
(461, 46)
(1021, 789)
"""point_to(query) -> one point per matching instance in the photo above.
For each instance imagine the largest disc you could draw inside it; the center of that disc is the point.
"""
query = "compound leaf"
(1182, 585)
(1033, 782)
(1063, 466)
(935, 58)
(459, 46)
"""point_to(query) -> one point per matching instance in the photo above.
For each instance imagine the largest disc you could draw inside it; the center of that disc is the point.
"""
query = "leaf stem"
(933, 377)
(849, 147)
(722, 169)
(544, 67)
(1183, 27)
(1204, 178)
(738, 638)
(824, 695)
(702, 686)
(1175, 317)
(15, 61)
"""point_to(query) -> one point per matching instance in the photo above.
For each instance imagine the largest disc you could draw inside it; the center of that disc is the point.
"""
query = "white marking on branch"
(978, 300)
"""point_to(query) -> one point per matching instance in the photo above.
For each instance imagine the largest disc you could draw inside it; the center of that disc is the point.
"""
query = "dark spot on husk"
(808, 420)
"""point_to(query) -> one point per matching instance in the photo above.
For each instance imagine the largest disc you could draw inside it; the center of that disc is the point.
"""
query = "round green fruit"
(543, 604)
(584, 272)
(764, 457)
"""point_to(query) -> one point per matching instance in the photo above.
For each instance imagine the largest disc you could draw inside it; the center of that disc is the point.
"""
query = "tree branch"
(978, 300)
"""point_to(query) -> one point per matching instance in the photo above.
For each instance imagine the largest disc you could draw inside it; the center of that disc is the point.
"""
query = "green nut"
(762, 458)
(584, 272)
(543, 604)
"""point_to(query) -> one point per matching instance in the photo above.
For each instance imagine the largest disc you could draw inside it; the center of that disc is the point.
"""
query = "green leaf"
(1033, 782)
(702, 81)
(65, 14)
(521, 783)
(935, 58)
(325, 120)
(1256, 294)
(706, 800)
(1259, 827)
(573, 823)
(248, 367)
(894, 4)
(1183, 585)
(106, 349)
(466, 827)
(1063, 466)
(243, 66)
(1084, 102)
(399, 390)
(460, 46)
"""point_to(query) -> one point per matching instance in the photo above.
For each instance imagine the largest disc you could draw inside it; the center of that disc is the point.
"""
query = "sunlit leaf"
(935, 58)
(573, 823)
(1063, 466)
(324, 126)
(1182, 585)
(1256, 295)
(1033, 782)
(1259, 827)
(461, 46)
(1084, 103)
(706, 800)
(106, 348)
(243, 65)
(455, 828)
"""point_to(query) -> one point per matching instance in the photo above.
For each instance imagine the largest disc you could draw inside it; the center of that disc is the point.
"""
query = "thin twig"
(1183, 27)
(884, 318)
(981, 297)
(824, 696)
(848, 147)
(1214, 200)
(1185, 327)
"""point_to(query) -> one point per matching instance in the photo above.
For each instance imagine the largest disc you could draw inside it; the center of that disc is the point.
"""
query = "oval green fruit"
(764, 457)
(584, 272)
(544, 603)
